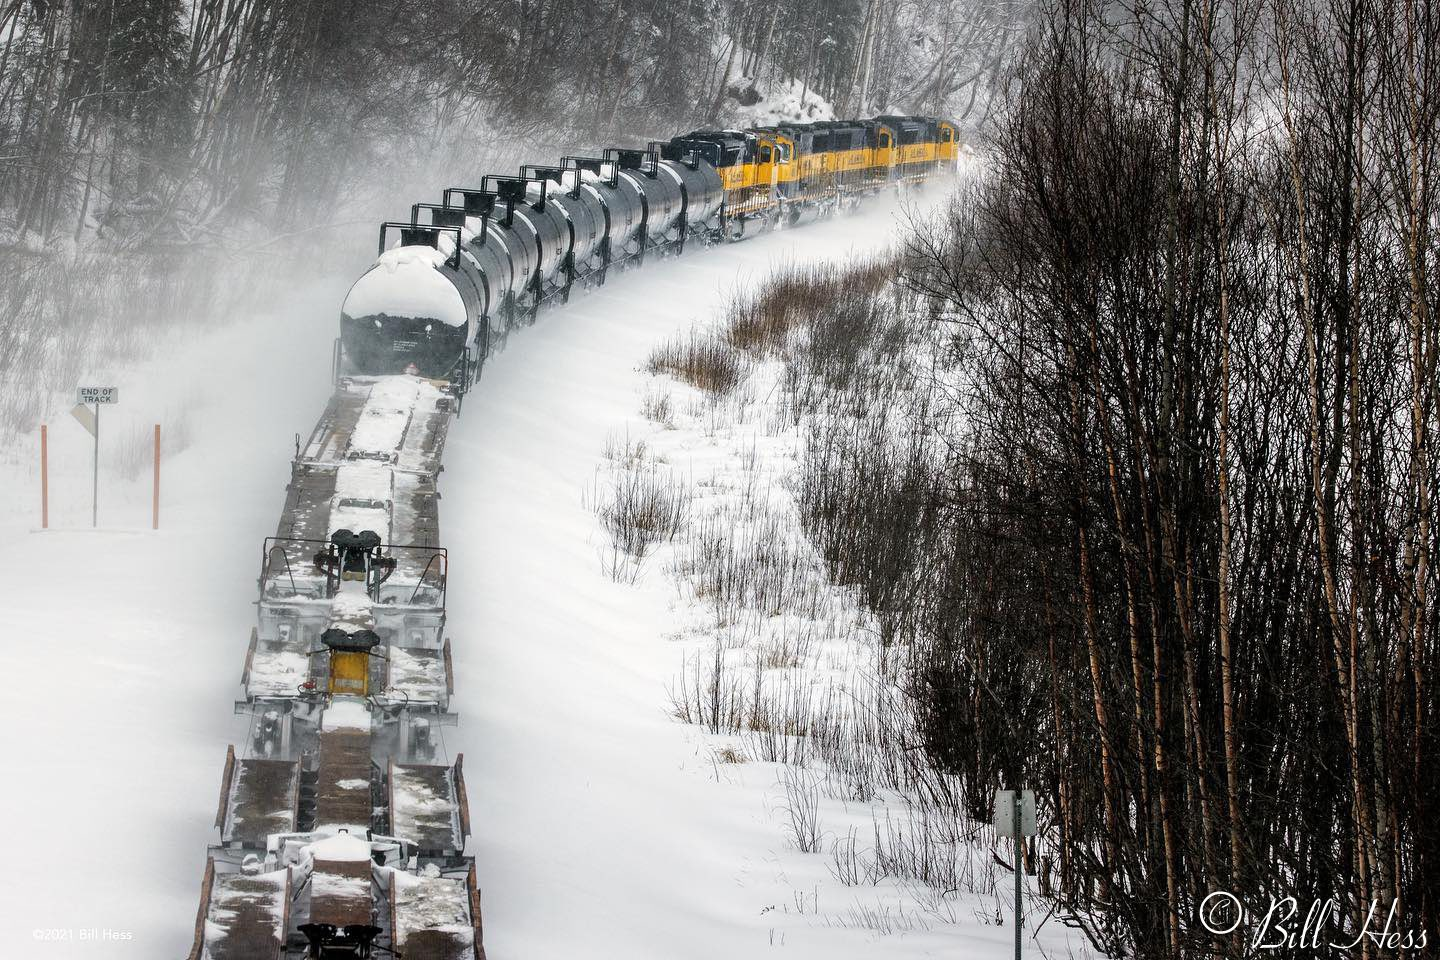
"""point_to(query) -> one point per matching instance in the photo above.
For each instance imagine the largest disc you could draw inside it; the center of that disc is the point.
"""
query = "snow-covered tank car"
(584, 210)
(541, 228)
(419, 304)
(663, 195)
(434, 302)
(624, 201)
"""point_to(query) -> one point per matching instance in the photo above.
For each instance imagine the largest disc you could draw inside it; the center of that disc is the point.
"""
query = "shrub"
(705, 362)
(646, 505)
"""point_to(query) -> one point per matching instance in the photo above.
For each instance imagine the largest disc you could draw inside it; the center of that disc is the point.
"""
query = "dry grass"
(728, 754)
(640, 501)
(785, 675)
(623, 451)
(657, 406)
(758, 567)
(707, 695)
(802, 807)
(705, 362)
(762, 323)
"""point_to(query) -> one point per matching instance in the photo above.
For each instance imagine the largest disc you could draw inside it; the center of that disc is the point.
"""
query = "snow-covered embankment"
(601, 828)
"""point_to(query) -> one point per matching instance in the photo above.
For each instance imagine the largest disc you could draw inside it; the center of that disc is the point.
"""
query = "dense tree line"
(1163, 546)
(1195, 513)
(142, 118)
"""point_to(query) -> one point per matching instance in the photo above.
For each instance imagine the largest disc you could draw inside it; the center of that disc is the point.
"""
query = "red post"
(44, 478)
(155, 501)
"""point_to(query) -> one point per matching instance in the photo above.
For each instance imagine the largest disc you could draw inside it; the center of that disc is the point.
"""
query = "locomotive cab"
(916, 142)
(747, 164)
(948, 150)
(781, 142)
(783, 146)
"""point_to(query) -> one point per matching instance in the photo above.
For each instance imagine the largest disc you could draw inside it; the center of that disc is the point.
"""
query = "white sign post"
(85, 399)
(1015, 818)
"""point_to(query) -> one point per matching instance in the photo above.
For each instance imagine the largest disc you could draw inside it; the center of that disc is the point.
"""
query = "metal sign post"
(95, 474)
(87, 410)
(1015, 817)
(44, 477)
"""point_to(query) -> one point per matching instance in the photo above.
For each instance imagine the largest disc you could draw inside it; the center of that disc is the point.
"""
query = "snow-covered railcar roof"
(408, 417)
(245, 916)
(352, 609)
(342, 788)
(358, 480)
(419, 674)
(425, 806)
(263, 800)
(432, 917)
(277, 669)
(340, 892)
(394, 428)
(383, 424)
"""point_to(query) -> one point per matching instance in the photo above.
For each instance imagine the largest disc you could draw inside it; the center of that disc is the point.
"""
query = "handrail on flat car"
(420, 581)
(273, 544)
(265, 566)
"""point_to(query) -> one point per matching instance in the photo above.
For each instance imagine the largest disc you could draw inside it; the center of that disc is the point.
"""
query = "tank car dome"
(407, 282)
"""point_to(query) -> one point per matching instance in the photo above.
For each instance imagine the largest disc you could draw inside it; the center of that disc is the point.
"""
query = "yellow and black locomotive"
(779, 174)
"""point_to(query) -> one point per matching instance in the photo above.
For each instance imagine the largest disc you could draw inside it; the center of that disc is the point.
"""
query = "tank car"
(435, 302)
(416, 308)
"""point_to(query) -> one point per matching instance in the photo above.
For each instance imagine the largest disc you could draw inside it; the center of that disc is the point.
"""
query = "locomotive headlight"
(429, 327)
(377, 324)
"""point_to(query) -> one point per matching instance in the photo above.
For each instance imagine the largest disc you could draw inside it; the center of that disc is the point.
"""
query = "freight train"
(463, 272)
(343, 820)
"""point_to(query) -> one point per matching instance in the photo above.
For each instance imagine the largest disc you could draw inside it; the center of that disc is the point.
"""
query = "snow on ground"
(124, 647)
(793, 696)
(767, 103)
(599, 827)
